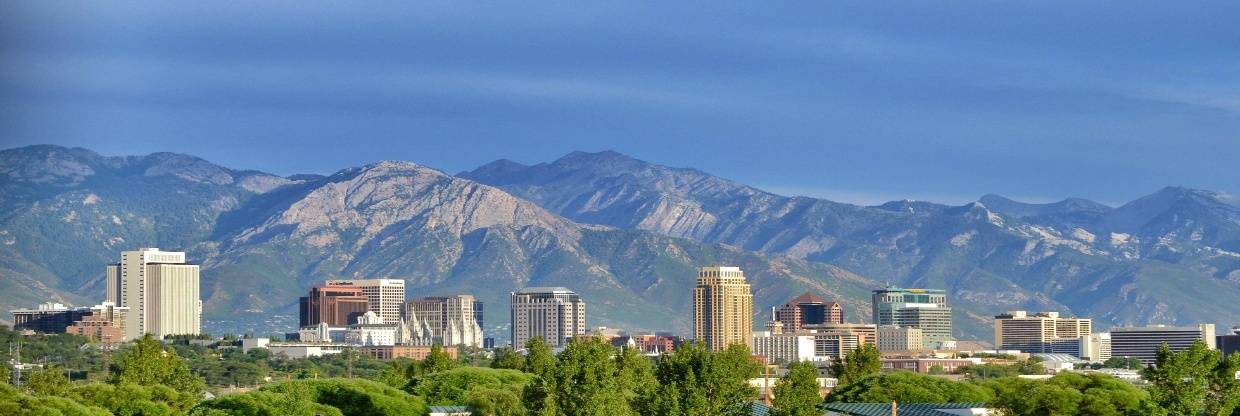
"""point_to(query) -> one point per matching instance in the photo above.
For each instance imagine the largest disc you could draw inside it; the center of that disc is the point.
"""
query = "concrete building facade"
(925, 309)
(161, 291)
(554, 313)
(1040, 332)
(1143, 342)
(893, 338)
(722, 308)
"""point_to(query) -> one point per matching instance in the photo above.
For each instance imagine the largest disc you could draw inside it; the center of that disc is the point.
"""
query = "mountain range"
(626, 234)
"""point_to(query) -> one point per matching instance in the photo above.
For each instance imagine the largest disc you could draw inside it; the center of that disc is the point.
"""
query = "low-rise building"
(785, 348)
(105, 324)
(415, 352)
(47, 318)
(911, 409)
(923, 365)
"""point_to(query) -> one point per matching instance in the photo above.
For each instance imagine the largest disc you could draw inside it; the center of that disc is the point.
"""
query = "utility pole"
(15, 361)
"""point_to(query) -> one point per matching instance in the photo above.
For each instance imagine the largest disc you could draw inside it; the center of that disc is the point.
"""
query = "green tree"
(486, 401)
(796, 394)
(507, 358)
(438, 360)
(937, 370)
(450, 387)
(586, 382)
(861, 362)
(132, 399)
(47, 381)
(14, 402)
(1195, 381)
(538, 397)
(1070, 394)
(907, 387)
(539, 360)
(693, 381)
(635, 375)
(1129, 363)
(148, 363)
(316, 397)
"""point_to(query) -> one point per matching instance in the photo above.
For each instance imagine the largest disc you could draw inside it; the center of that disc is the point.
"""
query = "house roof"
(449, 409)
(902, 409)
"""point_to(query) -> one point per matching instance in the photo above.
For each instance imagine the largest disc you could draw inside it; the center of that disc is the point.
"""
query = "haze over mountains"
(624, 233)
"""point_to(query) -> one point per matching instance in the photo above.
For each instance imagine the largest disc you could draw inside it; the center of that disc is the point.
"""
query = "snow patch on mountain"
(962, 239)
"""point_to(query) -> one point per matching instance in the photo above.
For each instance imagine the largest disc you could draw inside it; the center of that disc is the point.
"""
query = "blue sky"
(850, 101)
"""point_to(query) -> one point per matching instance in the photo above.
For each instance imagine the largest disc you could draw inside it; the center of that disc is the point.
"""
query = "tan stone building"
(722, 308)
(161, 291)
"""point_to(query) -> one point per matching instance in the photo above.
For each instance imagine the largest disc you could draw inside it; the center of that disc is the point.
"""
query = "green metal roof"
(902, 409)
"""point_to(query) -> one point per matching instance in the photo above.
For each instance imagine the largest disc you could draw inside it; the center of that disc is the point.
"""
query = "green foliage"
(132, 399)
(311, 397)
(937, 370)
(507, 358)
(16, 403)
(1129, 363)
(696, 382)
(451, 387)
(539, 360)
(486, 401)
(861, 362)
(796, 394)
(1195, 381)
(586, 382)
(47, 381)
(635, 375)
(1070, 394)
(438, 360)
(989, 371)
(148, 363)
(907, 387)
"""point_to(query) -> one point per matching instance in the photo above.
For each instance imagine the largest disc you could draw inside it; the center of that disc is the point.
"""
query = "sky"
(852, 101)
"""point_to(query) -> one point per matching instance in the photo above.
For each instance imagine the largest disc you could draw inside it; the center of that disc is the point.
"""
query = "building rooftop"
(544, 289)
(902, 409)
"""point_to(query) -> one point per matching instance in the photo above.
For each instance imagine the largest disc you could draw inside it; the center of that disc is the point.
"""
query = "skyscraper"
(384, 297)
(449, 320)
(926, 309)
(335, 305)
(808, 309)
(1037, 333)
(722, 308)
(554, 313)
(161, 291)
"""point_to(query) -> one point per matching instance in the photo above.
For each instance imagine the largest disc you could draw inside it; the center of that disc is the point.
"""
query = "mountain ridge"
(627, 233)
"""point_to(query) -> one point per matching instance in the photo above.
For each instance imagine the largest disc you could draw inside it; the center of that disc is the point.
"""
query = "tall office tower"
(1143, 342)
(926, 309)
(335, 305)
(808, 309)
(160, 290)
(385, 297)
(554, 313)
(722, 308)
(893, 338)
(1038, 333)
(450, 320)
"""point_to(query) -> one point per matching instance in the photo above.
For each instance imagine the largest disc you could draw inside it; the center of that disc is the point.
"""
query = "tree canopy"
(1195, 381)
(796, 394)
(861, 362)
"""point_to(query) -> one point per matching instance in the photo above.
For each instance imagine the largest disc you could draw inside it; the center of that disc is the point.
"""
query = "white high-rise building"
(161, 291)
(554, 313)
(384, 297)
